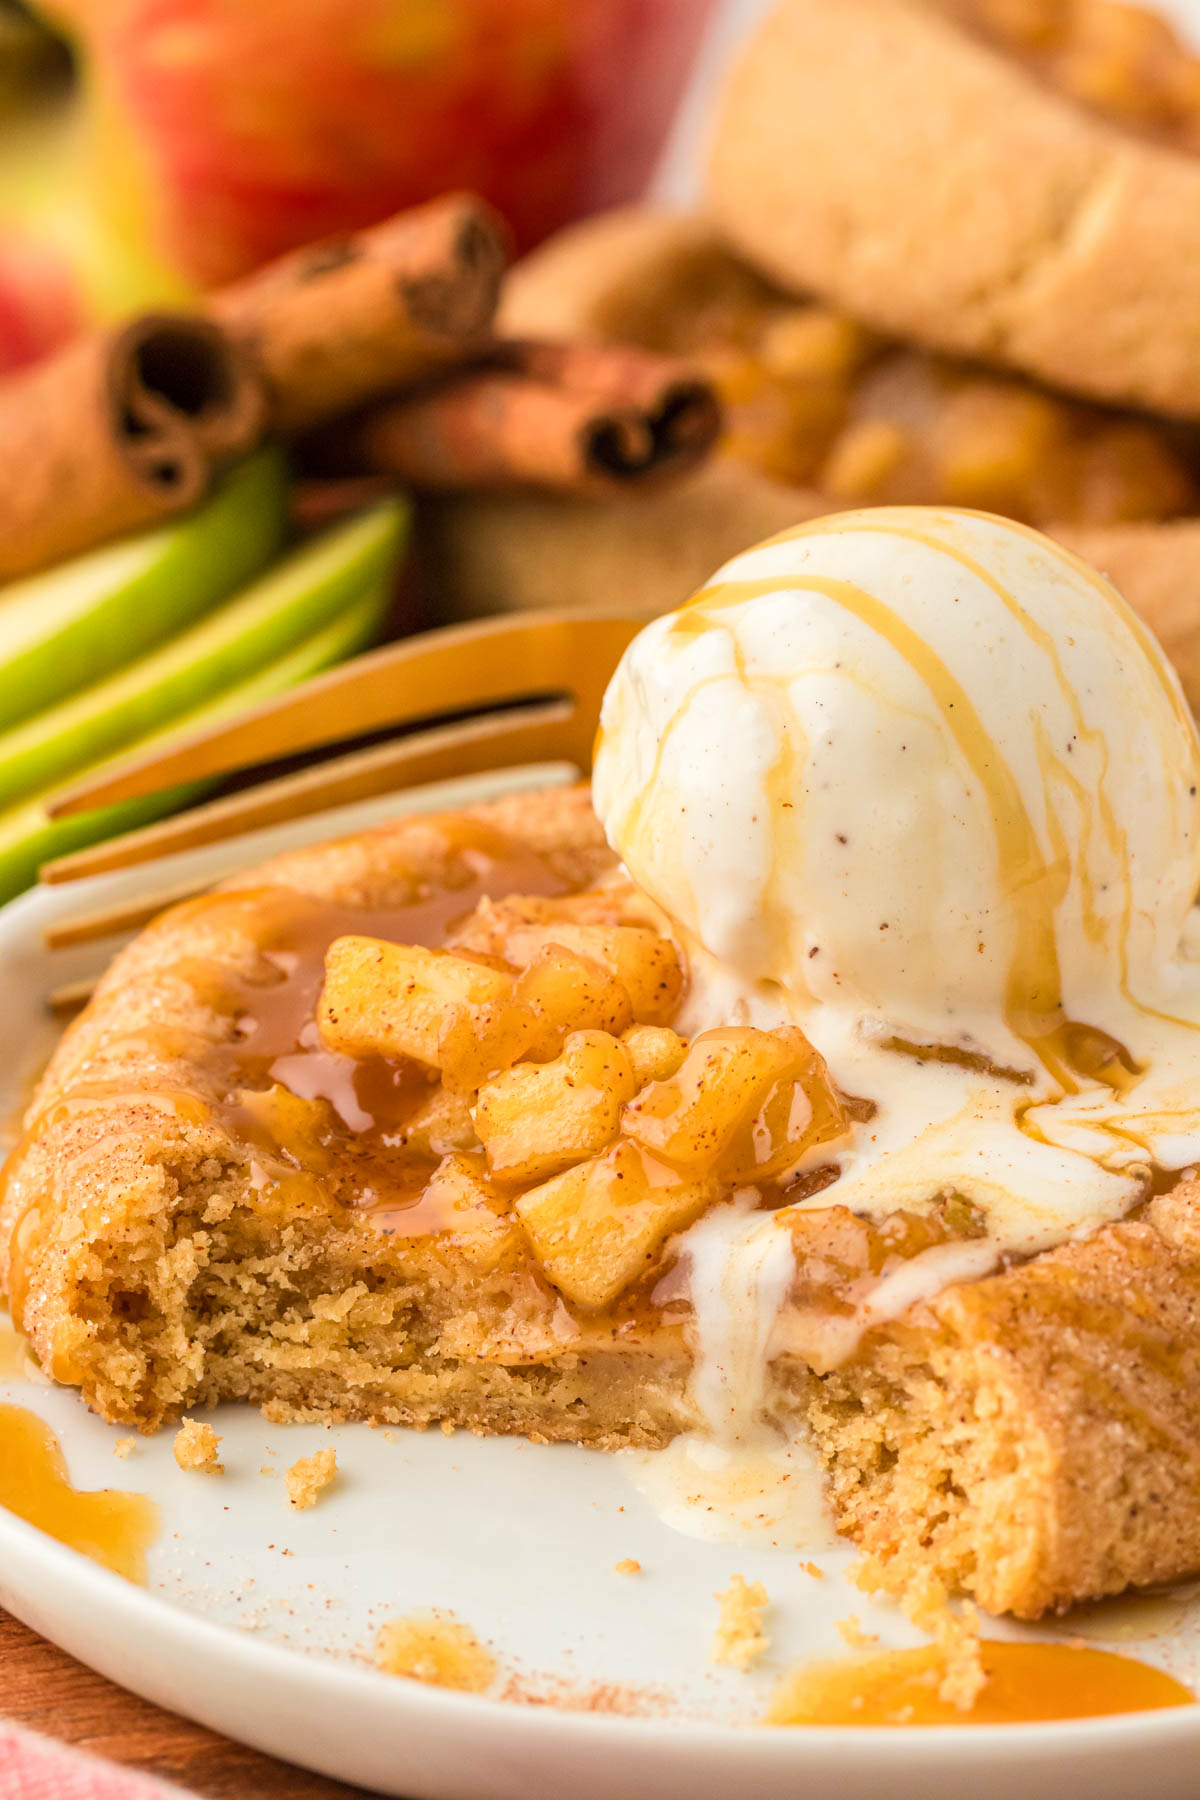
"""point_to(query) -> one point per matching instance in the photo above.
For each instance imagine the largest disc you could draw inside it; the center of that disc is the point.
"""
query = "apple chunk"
(441, 1124)
(655, 1052)
(538, 1117)
(693, 1118)
(479, 1040)
(800, 1110)
(642, 960)
(466, 1207)
(383, 999)
(568, 992)
(600, 1225)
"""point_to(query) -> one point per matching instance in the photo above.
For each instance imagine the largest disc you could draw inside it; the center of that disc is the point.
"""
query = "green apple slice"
(72, 625)
(29, 838)
(304, 591)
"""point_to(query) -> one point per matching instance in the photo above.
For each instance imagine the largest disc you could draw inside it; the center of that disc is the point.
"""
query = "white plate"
(257, 1620)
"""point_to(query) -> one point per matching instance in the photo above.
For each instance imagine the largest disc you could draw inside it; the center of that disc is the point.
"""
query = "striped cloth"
(36, 1768)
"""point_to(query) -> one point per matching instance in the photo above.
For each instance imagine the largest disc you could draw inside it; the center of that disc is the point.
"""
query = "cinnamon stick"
(577, 418)
(119, 430)
(341, 322)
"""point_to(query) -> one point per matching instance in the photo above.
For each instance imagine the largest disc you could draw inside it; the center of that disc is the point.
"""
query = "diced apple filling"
(539, 1117)
(599, 1226)
(655, 1052)
(441, 1124)
(740, 1106)
(383, 999)
(646, 964)
(477, 1042)
(800, 1110)
(470, 1019)
(286, 1121)
(568, 992)
(477, 1218)
(768, 1090)
(554, 1055)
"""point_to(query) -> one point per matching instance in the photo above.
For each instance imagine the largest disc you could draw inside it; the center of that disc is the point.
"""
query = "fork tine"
(547, 732)
(126, 915)
(454, 669)
(63, 1001)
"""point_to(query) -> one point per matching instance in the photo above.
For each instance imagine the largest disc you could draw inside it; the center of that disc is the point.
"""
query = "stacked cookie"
(947, 259)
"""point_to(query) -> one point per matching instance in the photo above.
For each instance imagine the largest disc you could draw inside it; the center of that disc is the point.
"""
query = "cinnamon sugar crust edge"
(1034, 1436)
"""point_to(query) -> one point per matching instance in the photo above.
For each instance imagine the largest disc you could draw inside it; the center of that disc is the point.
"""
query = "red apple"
(40, 302)
(259, 124)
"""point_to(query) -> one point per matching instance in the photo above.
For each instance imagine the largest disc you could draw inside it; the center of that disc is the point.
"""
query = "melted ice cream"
(921, 783)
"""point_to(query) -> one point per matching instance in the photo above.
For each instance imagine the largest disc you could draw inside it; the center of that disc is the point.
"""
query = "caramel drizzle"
(1034, 986)
(1034, 1007)
(1093, 737)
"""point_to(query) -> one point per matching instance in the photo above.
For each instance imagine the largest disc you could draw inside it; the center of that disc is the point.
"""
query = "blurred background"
(150, 148)
(741, 262)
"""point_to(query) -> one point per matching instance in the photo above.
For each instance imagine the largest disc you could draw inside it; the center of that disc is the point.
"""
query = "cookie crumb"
(308, 1477)
(196, 1447)
(740, 1638)
(852, 1634)
(267, 1469)
(435, 1648)
(124, 1447)
(954, 1629)
(813, 1569)
(628, 1565)
(447, 1428)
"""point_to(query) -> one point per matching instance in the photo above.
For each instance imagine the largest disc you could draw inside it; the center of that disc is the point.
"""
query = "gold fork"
(518, 689)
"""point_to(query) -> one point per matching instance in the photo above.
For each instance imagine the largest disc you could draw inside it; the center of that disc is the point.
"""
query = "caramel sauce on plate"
(115, 1529)
(1025, 1683)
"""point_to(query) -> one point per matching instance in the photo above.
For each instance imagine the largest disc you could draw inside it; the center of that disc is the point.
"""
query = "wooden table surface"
(50, 1692)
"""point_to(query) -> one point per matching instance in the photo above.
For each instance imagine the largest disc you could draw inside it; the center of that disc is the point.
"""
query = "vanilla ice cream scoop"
(923, 763)
(919, 778)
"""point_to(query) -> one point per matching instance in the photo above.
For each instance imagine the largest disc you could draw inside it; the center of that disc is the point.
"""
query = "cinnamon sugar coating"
(1031, 1436)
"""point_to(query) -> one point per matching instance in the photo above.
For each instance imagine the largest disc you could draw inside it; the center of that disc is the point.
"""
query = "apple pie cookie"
(821, 411)
(858, 1101)
(1042, 216)
(401, 1130)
